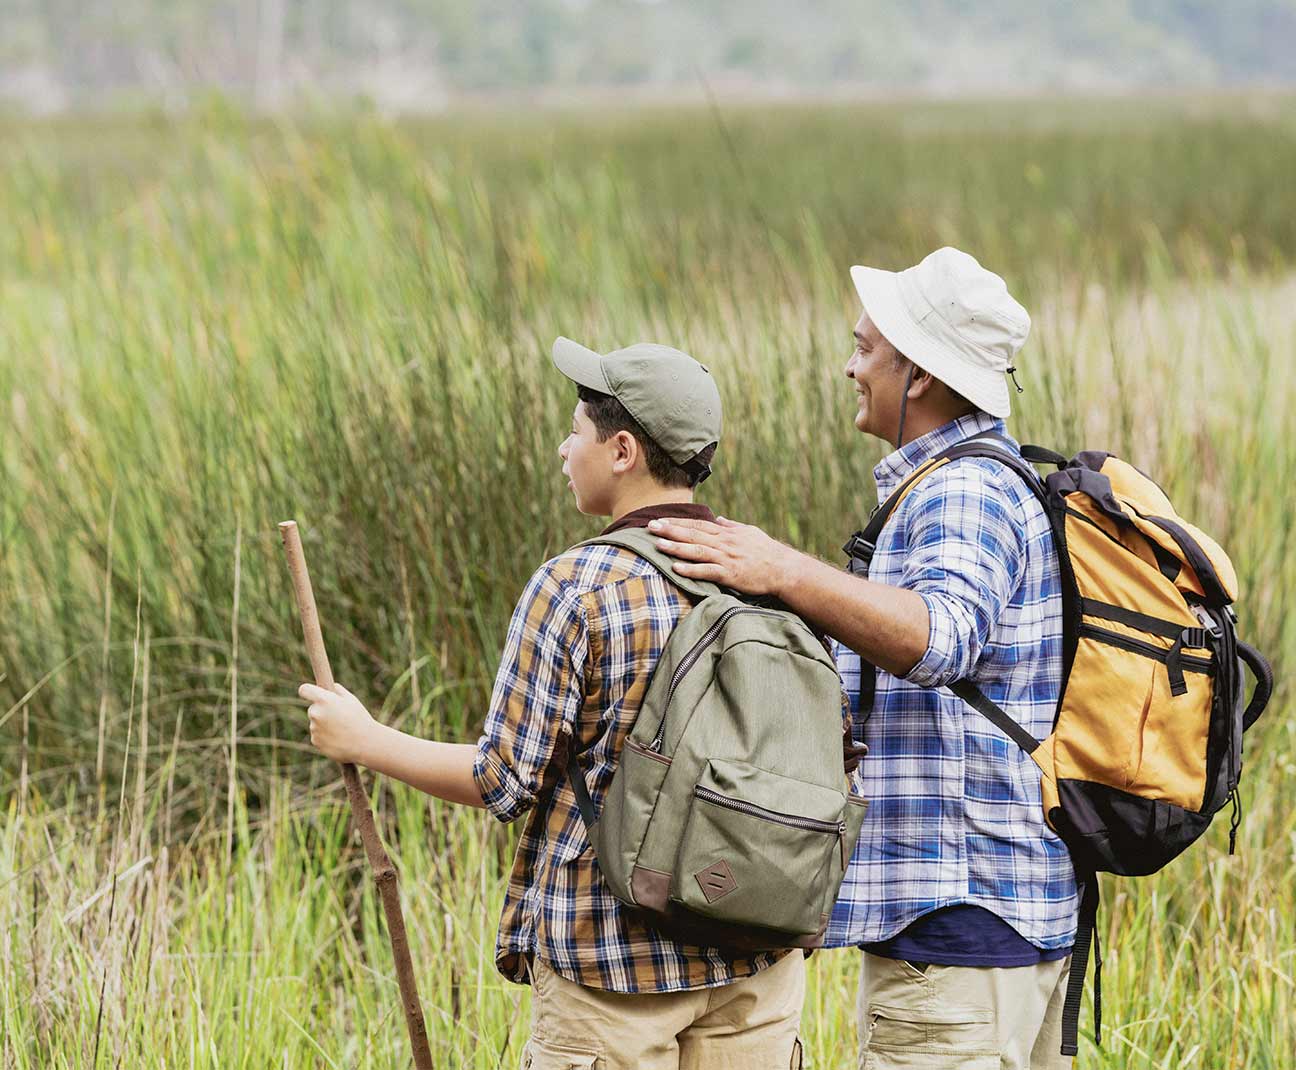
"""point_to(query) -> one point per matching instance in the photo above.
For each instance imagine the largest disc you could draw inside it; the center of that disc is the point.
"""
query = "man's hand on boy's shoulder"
(740, 556)
(340, 726)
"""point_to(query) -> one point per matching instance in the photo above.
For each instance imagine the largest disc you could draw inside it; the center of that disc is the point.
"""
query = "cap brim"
(580, 365)
(879, 292)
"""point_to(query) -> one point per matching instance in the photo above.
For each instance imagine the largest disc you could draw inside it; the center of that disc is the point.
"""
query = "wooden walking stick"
(380, 863)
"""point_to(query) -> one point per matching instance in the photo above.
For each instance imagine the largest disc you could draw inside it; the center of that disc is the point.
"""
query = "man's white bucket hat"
(953, 318)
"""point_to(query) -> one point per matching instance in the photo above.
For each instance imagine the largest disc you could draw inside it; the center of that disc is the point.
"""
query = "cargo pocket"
(759, 848)
(925, 1039)
(546, 1055)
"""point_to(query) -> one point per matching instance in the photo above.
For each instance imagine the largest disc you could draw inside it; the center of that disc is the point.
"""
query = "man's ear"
(923, 382)
(625, 452)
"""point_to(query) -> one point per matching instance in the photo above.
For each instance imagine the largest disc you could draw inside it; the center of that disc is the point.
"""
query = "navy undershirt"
(963, 935)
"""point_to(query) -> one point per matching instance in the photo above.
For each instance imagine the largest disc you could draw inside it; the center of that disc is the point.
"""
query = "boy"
(608, 990)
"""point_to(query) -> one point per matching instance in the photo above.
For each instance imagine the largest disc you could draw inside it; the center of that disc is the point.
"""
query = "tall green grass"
(210, 325)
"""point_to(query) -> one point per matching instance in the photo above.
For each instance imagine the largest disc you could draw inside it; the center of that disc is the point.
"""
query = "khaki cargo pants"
(926, 1017)
(749, 1024)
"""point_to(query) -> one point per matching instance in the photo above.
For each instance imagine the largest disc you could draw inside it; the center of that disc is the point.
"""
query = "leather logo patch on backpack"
(716, 881)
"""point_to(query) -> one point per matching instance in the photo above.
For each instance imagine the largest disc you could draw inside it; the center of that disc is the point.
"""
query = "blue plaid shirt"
(955, 814)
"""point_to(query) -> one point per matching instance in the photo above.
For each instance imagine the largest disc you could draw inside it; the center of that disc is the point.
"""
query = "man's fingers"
(684, 530)
(698, 571)
(689, 551)
(311, 692)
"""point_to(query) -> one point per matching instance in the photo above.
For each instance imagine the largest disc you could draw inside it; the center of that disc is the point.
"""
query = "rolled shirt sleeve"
(964, 555)
(538, 692)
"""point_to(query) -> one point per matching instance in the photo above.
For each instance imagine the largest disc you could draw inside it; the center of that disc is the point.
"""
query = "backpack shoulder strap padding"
(644, 543)
(990, 446)
(997, 448)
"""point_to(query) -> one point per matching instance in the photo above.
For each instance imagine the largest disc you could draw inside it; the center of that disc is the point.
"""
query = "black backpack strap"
(973, 696)
(1255, 661)
(996, 447)
(861, 545)
(1086, 934)
(579, 788)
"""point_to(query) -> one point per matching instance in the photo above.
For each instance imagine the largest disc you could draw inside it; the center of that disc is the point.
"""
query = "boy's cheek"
(590, 497)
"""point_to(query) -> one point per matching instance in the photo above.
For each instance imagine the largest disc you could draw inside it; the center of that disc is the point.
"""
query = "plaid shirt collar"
(892, 469)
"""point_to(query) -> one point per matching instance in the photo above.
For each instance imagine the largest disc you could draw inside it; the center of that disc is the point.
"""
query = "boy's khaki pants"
(921, 1017)
(748, 1024)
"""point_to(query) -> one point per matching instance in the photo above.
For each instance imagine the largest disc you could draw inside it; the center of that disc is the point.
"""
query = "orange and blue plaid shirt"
(582, 645)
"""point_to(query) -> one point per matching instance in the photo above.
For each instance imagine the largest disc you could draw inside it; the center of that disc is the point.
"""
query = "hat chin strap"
(904, 404)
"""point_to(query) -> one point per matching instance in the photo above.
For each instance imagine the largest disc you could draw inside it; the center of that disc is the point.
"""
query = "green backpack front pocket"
(757, 848)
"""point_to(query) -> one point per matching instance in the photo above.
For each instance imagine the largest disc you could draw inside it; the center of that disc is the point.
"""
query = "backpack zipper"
(690, 659)
(808, 824)
(1148, 650)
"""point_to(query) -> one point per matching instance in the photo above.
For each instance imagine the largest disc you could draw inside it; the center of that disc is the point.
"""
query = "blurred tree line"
(424, 53)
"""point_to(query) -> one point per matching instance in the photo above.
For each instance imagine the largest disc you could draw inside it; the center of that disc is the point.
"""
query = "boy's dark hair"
(609, 416)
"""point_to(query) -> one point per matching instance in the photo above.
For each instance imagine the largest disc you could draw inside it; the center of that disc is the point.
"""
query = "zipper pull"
(841, 835)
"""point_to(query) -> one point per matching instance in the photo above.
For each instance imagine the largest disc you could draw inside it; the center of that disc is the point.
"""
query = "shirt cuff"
(940, 660)
(501, 791)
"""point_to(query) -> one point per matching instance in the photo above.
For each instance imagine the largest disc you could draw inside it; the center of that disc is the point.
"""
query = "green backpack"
(729, 820)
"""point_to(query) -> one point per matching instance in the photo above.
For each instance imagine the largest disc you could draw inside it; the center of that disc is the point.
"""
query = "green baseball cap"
(670, 395)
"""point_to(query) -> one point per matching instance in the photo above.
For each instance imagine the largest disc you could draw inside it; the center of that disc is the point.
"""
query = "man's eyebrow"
(860, 338)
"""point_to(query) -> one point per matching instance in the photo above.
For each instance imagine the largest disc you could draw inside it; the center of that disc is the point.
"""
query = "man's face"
(878, 382)
(587, 463)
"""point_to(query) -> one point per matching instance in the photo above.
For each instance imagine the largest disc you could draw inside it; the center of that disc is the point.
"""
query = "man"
(962, 898)
(608, 989)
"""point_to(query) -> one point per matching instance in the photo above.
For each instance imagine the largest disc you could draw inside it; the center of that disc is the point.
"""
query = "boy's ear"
(625, 452)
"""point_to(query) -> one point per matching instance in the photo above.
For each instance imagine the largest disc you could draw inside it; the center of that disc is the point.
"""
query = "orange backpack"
(1146, 744)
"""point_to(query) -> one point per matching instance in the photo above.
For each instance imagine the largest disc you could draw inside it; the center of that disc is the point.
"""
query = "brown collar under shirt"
(640, 518)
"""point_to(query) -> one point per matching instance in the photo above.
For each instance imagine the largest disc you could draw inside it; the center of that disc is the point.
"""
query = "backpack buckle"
(860, 552)
(1206, 621)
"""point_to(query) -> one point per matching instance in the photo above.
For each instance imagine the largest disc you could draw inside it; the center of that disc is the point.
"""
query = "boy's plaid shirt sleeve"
(537, 695)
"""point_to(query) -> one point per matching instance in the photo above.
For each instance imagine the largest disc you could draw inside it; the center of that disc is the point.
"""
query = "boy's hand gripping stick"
(379, 862)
